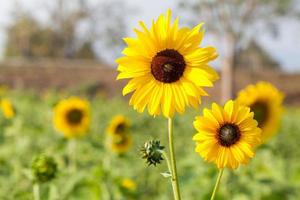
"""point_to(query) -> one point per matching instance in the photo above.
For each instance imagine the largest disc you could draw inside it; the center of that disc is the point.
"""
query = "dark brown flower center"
(74, 116)
(121, 128)
(167, 66)
(261, 112)
(229, 134)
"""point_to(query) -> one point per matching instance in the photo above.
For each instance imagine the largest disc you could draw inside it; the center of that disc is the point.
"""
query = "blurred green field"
(273, 174)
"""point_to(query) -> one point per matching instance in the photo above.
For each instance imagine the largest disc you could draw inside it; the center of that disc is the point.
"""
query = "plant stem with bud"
(175, 184)
(217, 184)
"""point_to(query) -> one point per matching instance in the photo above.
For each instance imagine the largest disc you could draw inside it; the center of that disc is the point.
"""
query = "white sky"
(284, 49)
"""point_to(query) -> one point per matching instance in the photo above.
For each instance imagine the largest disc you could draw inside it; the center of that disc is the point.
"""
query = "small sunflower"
(118, 125)
(167, 68)
(119, 143)
(7, 108)
(226, 136)
(72, 116)
(266, 103)
(128, 184)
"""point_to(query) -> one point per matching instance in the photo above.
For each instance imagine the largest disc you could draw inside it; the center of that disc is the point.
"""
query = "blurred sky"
(284, 49)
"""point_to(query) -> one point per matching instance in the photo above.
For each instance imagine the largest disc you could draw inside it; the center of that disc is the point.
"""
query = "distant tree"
(73, 30)
(27, 38)
(254, 57)
(235, 23)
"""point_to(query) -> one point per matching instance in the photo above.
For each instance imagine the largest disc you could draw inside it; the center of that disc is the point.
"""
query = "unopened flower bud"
(44, 168)
(152, 152)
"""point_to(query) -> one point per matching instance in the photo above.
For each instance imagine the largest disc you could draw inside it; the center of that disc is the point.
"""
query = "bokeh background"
(51, 50)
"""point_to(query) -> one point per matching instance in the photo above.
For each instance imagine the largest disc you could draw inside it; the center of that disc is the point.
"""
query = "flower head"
(152, 152)
(118, 125)
(72, 116)
(167, 68)
(7, 108)
(44, 168)
(119, 143)
(266, 103)
(226, 136)
(128, 184)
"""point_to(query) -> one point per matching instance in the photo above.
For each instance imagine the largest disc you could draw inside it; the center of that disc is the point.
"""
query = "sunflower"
(72, 116)
(7, 108)
(128, 184)
(167, 68)
(118, 125)
(266, 103)
(226, 136)
(119, 143)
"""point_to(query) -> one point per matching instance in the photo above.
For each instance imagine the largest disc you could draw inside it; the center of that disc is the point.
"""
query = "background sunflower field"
(273, 174)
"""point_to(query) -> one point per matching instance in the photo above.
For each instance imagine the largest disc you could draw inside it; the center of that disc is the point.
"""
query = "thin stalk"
(72, 155)
(175, 184)
(53, 192)
(217, 184)
(36, 191)
(168, 161)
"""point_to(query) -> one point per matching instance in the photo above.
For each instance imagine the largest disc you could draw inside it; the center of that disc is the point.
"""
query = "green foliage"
(273, 174)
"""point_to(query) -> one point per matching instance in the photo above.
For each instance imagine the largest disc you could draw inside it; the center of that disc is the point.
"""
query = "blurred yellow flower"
(119, 143)
(7, 108)
(167, 68)
(266, 103)
(72, 117)
(226, 136)
(118, 125)
(129, 184)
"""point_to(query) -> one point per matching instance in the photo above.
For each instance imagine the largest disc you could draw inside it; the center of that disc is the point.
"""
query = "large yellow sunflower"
(167, 68)
(266, 103)
(72, 116)
(226, 136)
(118, 125)
(7, 108)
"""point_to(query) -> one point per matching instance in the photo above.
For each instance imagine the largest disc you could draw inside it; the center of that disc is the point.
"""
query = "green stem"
(175, 184)
(168, 161)
(72, 155)
(217, 184)
(53, 192)
(36, 191)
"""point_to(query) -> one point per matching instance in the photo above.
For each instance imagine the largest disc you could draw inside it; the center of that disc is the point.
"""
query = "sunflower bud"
(152, 152)
(44, 168)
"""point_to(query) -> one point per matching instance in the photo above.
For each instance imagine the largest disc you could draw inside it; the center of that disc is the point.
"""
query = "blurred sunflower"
(167, 68)
(7, 108)
(226, 136)
(118, 125)
(128, 184)
(266, 103)
(72, 117)
(119, 143)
